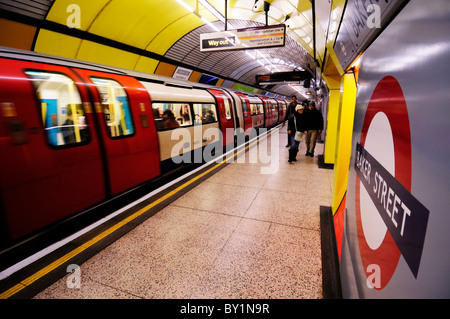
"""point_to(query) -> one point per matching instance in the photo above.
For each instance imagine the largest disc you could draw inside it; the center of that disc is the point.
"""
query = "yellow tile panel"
(136, 22)
(146, 65)
(344, 139)
(55, 43)
(164, 40)
(62, 10)
(98, 53)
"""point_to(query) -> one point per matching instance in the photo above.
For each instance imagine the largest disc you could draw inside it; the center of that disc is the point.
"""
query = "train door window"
(116, 108)
(245, 107)
(255, 109)
(259, 107)
(205, 113)
(60, 107)
(226, 103)
(172, 115)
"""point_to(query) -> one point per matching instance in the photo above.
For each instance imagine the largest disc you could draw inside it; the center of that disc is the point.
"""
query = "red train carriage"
(268, 112)
(50, 166)
(74, 135)
(126, 127)
(282, 107)
(257, 111)
(225, 115)
(246, 119)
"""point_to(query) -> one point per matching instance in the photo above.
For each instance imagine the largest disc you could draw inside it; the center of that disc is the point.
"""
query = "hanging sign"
(248, 38)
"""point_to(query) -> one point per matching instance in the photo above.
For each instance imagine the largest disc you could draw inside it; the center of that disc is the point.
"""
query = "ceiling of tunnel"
(140, 34)
(236, 64)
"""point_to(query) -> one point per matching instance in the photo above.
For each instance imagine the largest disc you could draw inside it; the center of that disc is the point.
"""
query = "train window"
(254, 109)
(257, 108)
(116, 108)
(205, 113)
(171, 115)
(226, 103)
(245, 107)
(61, 108)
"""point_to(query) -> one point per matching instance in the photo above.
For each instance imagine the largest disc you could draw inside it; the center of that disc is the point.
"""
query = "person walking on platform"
(289, 113)
(314, 125)
(296, 131)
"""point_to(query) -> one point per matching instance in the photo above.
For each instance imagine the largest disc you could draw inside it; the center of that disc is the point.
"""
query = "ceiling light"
(213, 10)
(248, 53)
(210, 24)
(185, 5)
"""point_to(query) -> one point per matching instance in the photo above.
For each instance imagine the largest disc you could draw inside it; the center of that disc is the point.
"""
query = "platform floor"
(238, 234)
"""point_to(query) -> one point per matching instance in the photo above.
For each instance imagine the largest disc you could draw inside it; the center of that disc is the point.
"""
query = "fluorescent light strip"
(191, 10)
(185, 5)
(209, 23)
(213, 10)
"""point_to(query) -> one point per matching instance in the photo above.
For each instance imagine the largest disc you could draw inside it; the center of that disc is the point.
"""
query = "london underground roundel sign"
(390, 221)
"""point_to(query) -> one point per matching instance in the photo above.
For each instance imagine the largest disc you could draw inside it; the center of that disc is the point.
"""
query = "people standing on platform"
(314, 125)
(289, 113)
(296, 131)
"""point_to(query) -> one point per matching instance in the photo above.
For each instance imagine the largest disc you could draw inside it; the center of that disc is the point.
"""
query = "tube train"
(75, 134)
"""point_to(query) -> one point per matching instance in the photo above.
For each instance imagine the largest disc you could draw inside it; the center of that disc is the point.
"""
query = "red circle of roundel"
(387, 98)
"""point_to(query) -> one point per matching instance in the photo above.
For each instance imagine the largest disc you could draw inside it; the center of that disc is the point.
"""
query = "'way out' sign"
(249, 38)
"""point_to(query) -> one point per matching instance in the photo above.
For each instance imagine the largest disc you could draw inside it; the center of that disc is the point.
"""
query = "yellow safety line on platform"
(44, 271)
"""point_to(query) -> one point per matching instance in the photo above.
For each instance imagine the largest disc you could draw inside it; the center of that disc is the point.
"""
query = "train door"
(225, 116)
(246, 113)
(238, 118)
(257, 112)
(281, 110)
(51, 165)
(267, 113)
(123, 109)
(275, 111)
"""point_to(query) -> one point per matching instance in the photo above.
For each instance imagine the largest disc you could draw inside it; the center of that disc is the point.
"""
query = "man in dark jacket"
(296, 124)
(314, 125)
(289, 113)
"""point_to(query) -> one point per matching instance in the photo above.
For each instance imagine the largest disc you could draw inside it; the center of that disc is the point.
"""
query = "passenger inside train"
(209, 118)
(169, 120)
(74, 129)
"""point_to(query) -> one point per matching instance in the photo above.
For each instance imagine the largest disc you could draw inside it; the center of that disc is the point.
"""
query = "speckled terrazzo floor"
(239, 234)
